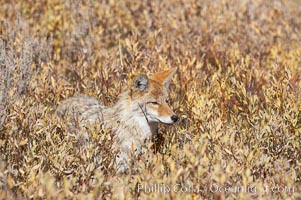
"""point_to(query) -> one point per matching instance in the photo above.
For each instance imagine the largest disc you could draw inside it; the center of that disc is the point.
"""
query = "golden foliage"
(237, 93)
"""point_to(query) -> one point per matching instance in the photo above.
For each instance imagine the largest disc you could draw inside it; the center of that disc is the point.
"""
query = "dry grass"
(237, 93)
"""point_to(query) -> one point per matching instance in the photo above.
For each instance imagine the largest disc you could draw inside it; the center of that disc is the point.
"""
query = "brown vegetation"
(237, 93)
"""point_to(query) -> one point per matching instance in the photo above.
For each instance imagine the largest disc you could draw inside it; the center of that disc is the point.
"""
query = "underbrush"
(237, 93)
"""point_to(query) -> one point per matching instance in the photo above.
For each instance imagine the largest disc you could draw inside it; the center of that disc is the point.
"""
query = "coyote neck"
(128, 119)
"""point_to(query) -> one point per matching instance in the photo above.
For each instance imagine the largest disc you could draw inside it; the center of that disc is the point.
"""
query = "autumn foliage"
(237, 93)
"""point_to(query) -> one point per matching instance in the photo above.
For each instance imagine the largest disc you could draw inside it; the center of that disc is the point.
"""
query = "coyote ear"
(141, 82)
(164, 77)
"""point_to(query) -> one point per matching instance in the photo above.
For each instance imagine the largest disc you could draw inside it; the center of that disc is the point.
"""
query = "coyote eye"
(154, 103)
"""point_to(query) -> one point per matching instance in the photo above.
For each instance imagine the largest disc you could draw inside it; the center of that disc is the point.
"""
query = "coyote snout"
(134, 118)
(159, 111)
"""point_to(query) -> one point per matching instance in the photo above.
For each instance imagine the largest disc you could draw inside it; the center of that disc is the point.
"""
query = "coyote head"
(152, 95)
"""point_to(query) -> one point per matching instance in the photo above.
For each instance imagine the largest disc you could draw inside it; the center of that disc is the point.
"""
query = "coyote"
(134, 118)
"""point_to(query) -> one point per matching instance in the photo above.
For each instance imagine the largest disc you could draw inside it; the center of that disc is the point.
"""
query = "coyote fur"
(134, 118)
